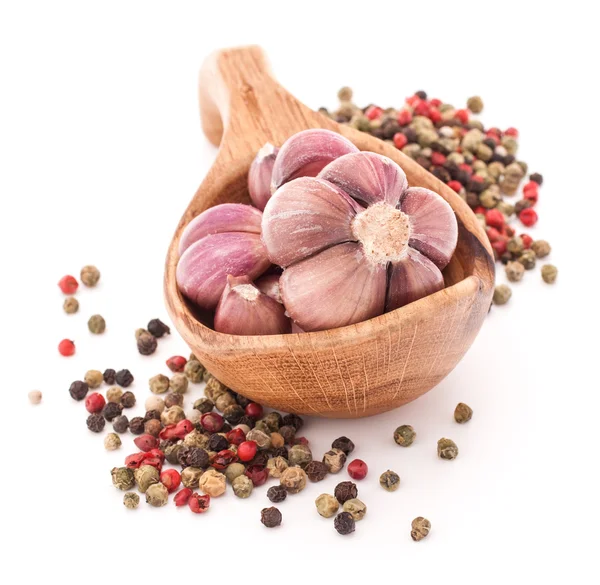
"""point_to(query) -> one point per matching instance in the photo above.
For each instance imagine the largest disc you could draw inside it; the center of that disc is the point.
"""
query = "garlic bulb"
(259, 176)
(222, 240)
(355, 241)
(244, 310)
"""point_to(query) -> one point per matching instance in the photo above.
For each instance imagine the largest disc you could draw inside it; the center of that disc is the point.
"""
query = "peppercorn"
(114, 394)
(146, 343)
(514, 271)
(95, 422)
(196, 439)
(356, 508)
(157, 495)
(172, 416)
(172, 453)
(462, 413)
(541, 248)
(159, 384)
(420, 528)
(145, 476)
(122, 478)
(262, 440)
(111, 410)
(247, 421)
(258, 474)
(527, 259)
(136, 425)
(357, 469)
(234, 470)
(120, 424)
(344, 523)
(528, 217)
(293, 420)
(344, 491)
(316, 471)
(335, 460)
(196, 457)
(90, 275)
(172, 399)
(182, 497)
(194, 371)
(158, 328)
(35, 396)
(78, 390)
(96, 324)
(152, 427)
(128, 400)
(270, 517)
(66, 348)
(277, 494)
(502, 294)
(242, 486)
(475, 104)
(225, 400)
(197, 503)
(124, 378)
(389, 481)
(343, 444)
(231, 414)
(71, 305)
(131, 500)
(549, 273)
(212, 483)
(212, 422)
(109, 376)
(276, 466)
(298, 455)
(190, 476)
(536, 178)
(217, 443)
(447, 449)
(405, 435)
(288, 433)
(176, 363)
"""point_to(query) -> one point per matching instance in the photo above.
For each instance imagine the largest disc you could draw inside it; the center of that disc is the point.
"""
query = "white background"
(100, 151)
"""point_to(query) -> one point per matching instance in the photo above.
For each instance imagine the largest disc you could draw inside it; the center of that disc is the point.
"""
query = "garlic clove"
(334, 288)
(434, 230)
(305, 216)
(412, 278)
(259, 176)
(296, 328)
(306, 153)
(269, 285)
(203, 268)
(227, 217)
(244, 310)
(368, 177)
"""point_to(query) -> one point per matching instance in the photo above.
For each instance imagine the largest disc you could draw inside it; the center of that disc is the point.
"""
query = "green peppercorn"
(123, 478)
(71, 305)
(194, 371)
(96, 324)
(405, 435)
(356, 508)
(549, 273)
(514, 271)
(475, 104)
(145, 476)
(179, 383)
(345, 94)
(131, 500)
(327, 505)
(447, 449)
(462, 413)
(502, 294)
(90, 275)
(234, 470)
(541, 248)
(159, 384)
(420, 528)
(157, 495)
(242, 486)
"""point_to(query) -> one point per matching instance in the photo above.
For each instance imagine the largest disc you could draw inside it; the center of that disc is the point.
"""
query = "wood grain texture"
(354, 371)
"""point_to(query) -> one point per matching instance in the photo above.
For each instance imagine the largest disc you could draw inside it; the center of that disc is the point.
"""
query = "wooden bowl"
(353, 371)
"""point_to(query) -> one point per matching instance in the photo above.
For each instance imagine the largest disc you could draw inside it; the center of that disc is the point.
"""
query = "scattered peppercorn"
(128, 399)
(343, 444)
(136, 425)
(90, 275)
(327, 505)
(178, 383)
(356, 508)
(549, 273)
(159, 384)
(514, 271)
(258, 474)
(462, 413)
(357, 469)
(173, 399)
(122, 478)
(131, 500)
(335, 460)
(346, 490)
(111, 410)
(146, 343)
(277, 494)
(71, 305)
(124, 378)
(541, 248)
(152, 427)
(344, 523)
(66, 348)
(121, 424)
(78, 390)
(270, 517)
(405, 435)
(194, 371)
(145, 476)
(234, 470)
(502, 294)
(96, 324)
(447, 449)
(114, 394)
(158, 328)
(68, 284)
(316, 471)
(276, 466)
(213, 483)
(95, 422)
(242, 486)
(109, 376)
(389, 481)
(157, 495)
(112, 442)
(420, 528)
(527, 259)
(198, 504)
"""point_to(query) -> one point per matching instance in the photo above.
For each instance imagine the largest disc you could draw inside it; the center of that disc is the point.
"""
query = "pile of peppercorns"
(479, 164)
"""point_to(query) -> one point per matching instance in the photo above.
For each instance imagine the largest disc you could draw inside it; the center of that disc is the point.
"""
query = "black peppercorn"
(472, 200)
(109, 376)
(146, 344)
(421, 94)
(344, 523)
(242, 400)
(217, 443)
(248, 421)
(343, 444)
(344, 491)
(233, 414)
(261, 459)
(136, 425)
(158, 328)
(204, 405)
(124, 378)
(277, 494)
(152, 414)
(173, 399)
(288, 433)
(128, 400)
(316, 471)
(521, 205)
(293, 420)
(78, 390)
(226, 428)
(462, 177)
(411, 135)
(270, 517)
(490, 142)
(441, 173)
(120, 424)
(536, 178)
(95, 422)
(111, 410)
(279, 452)
(193, 457)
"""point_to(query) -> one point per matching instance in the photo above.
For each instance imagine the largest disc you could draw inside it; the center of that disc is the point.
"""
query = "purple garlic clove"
(411, 279)
(269, 285)
(227, 217)
(244, 310)
(337, 287)
(434, 230)
(306, 153)
(296, 328)
(367, 177)
(203, 268)
(259, 176)
(305, 216)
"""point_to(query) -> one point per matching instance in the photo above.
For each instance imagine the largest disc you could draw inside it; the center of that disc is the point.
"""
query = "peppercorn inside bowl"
(352, 371)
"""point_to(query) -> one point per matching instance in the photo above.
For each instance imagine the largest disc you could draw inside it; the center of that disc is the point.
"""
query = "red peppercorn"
(176, 363)
(530, 192)
(212, 422)
(413, 100)
(404, 117)
(435, 102)
(462, 116)
(135, 460)
(66, 347)
(154, 461)
(236, 436)
(435, 115)
(199, 504)
(68, 284)
(247, 450)
(500, 247)
(182, 497)
(373, 112)
(528, 217)
(400, 141)
(493, 234)
(145, 442)
(527, 241)
(480, 209)
(155, 453)
(493, 132)
(300, 441)
(94, 402)
(357, 469)
(254, 410)
(466, 167)
(171, 479)
(437, 158)
(509, 231)
(183, 428)
(512, 132)
(455, 186)
(258, 474)
(422, 108)
(168, 433)
(495, 218)
(222, 459)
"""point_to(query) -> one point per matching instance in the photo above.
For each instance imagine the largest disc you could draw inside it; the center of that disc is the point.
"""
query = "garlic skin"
(306, 153)
(203, 268)
(227, 217)
(269, 285)
(260, 174)
(244, 310)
